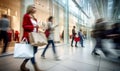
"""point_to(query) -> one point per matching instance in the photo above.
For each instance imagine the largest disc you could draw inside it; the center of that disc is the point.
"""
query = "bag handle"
(24, 40)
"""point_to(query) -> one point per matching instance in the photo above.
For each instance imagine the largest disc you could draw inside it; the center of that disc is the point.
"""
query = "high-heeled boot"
(22, 67)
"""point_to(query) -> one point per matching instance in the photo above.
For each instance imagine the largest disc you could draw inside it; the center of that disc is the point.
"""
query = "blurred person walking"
(99, 35)
(4, 27)
(73, 37)
(81, 36)
(51, 28)
(30, 25)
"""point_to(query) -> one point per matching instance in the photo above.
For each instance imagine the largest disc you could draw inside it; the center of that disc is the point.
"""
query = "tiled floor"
(72, 59)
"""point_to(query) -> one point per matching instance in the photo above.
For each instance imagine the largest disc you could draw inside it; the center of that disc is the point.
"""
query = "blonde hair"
(29, 8)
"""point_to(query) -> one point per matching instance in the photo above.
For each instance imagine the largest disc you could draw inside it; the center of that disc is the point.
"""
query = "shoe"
(82, 46)
(43, 57)
(24, 69)
(71, 45)
(95, 53)
(75, 46)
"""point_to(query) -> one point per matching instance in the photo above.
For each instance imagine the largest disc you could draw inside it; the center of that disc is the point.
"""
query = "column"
(66, 25)
(51, 9)
(24, 4)
(78, 24)
(57, 29)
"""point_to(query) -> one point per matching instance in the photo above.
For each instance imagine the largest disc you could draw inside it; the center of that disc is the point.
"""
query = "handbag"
(77, 39)
(37, 38)
(47, 33)
(23, 50)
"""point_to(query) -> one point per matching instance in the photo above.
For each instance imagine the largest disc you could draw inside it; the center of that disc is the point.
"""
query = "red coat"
(27, 26)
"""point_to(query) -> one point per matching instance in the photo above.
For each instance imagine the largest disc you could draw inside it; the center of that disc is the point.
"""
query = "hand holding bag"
(23, 50)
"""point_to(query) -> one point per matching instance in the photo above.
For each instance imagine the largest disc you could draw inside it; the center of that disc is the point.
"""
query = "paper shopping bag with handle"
(37, 39)
(23, 50)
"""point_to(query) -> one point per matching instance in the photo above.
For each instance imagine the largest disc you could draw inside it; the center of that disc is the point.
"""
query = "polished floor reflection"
(71, 59)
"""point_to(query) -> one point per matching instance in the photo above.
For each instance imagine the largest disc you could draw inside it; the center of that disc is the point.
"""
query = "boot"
(36, 67)
(23, 68)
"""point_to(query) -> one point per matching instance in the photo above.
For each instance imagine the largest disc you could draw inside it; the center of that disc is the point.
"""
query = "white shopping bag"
(23, 50)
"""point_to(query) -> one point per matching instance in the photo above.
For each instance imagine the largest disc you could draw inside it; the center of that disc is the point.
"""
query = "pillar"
(57, 29)
(66, 25)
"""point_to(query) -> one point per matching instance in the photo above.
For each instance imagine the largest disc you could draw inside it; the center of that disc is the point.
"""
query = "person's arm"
(54, 26)
(27, 25)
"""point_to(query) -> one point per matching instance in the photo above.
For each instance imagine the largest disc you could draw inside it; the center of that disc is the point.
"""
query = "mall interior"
(67, 13)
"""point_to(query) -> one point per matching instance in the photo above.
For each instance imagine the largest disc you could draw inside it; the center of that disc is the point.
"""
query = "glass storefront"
(12, 9)
(66, 18)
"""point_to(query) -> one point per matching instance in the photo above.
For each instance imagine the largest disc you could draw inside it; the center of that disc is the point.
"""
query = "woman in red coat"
(29, 25)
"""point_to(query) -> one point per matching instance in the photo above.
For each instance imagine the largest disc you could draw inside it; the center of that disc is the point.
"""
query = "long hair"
(29, 8)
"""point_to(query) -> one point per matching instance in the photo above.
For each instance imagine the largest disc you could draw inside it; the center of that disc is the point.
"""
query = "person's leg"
(18, 39)
(98, 45)
(54, 50)
(53, 46)
(81, 43)
(5, 40)
(43, 54)
(76, 44)
(35, 50)
(33, 60)
(72, 41)
(22, 67)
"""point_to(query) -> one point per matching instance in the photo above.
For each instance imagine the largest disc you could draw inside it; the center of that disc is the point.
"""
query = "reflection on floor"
(72, 59)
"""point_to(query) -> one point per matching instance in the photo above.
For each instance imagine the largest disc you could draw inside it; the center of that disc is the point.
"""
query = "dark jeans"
(32, 59)
(53, 47)
(73, 40)
(81, 42)
(4, 36)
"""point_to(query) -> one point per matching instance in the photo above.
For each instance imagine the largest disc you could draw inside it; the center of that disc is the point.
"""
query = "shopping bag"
(37, 39)
(77, 39)
(23, 50)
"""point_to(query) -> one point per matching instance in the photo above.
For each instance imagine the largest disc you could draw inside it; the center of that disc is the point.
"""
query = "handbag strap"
(24, 40)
